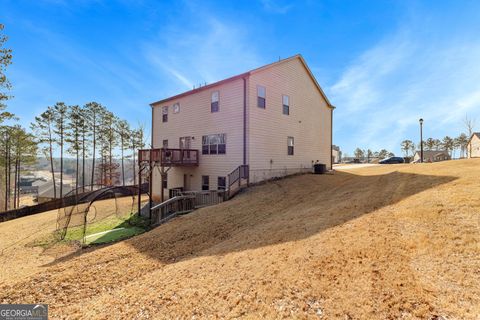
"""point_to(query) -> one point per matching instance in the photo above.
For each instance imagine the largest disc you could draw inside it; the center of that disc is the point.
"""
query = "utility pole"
(421, 139)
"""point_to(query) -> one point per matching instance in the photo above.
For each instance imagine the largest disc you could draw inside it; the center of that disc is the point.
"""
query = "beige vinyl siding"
(473, 148)
(309, 121)
(195, 119)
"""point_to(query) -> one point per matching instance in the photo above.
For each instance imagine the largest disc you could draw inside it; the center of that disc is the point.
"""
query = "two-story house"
(276, 119)
(473, 146)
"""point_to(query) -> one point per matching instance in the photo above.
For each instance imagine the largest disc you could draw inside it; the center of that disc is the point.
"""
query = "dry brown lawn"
(385, 242)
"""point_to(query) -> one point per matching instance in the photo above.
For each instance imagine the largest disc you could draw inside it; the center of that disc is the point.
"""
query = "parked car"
(392, 160)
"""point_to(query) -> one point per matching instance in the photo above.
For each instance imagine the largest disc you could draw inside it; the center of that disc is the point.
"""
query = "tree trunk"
(123, 168)
(18, 185)
(7, 200)
(15, 185)
(61, 161)
(83, 160)
(6, 172)
(50, 141)
(134, 176)
(93, 153)
(76, 171)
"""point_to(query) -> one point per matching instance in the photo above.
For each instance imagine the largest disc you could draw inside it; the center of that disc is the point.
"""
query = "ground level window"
(205, 183)
(164, 182)
(214, 144)
(222, 183)
(290, 145)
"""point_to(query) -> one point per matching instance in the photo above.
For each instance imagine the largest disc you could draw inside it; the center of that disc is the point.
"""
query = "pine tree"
(73, 136)
(93, 115)
(60, 121)
(124, 132)
(5, 61)
(43, 130)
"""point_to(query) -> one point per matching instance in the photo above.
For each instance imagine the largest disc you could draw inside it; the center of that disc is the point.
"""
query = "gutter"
(244, 121)
(331, 137)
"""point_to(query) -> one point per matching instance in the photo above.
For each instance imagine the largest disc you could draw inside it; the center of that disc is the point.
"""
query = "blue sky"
(383, 64)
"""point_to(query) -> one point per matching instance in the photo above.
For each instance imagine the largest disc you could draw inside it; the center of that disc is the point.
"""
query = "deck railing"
(207, 198)
(235, 179)
(171, 208)
(169, 157)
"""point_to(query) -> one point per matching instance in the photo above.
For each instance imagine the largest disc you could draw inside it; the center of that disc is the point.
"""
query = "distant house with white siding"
(473, 146)
(275, 119)
(432, 156)
(336, 154)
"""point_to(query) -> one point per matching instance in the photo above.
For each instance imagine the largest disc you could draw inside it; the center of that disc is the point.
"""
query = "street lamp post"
(421, 139)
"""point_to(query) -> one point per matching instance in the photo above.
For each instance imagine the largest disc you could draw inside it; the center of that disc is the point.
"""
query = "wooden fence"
(50, 205)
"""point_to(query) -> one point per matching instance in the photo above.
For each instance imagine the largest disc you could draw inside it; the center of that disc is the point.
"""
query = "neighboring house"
(473, 146)
(336, 154)
(45, 191)
(276, 119)
(432, 155)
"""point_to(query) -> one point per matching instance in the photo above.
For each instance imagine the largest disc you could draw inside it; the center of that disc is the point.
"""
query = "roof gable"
(247, 74)
(475, 134)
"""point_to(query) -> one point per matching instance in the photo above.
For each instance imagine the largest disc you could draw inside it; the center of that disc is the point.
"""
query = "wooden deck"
(169, 157)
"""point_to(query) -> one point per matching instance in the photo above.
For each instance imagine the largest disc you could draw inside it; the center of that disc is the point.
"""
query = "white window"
(261, 97)
(286, 104)
(165, 114)
(176, 107)
(214, 106)
(290, 145)
(214, 144)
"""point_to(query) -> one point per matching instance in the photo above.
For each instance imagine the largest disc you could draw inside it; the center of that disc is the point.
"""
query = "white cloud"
(384, 92)
(276, 6)
(196, 53)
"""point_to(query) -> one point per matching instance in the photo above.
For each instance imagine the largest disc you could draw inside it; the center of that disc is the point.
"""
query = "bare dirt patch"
(374, 243)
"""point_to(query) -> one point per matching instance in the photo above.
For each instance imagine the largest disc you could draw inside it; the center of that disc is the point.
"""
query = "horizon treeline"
(88, 132)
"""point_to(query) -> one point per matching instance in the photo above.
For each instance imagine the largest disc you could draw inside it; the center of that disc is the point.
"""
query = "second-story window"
(165, 114)
(185, 142)
(214, 106)
(290, 145)
(261, 95)
(286, 104)
(176, 107)
(165, 143)
(214, 144)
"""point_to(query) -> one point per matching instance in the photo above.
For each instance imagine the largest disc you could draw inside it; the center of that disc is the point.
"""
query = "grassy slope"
(381, 242)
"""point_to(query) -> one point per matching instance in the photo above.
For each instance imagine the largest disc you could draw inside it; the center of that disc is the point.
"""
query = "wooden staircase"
(238, 179)
(187, 201)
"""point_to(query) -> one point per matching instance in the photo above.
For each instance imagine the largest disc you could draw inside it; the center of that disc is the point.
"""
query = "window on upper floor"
(290, 146)
(214, 105)
(165, 114)
(261, 96)
(165, 143)
(286, 104)
(205, 183)
(214, 144)
(185, 142)
(176, 107)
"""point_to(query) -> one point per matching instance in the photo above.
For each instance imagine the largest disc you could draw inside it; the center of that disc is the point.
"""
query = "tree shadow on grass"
(281, 211)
